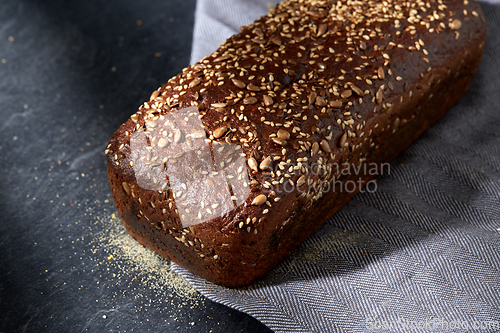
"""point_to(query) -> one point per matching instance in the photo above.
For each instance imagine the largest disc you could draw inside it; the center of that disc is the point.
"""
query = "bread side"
(316, 96)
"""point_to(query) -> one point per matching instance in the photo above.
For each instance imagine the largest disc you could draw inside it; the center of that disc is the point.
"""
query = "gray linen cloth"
(420, 254)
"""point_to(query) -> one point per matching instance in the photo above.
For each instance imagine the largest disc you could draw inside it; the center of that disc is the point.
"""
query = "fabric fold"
(423, 248)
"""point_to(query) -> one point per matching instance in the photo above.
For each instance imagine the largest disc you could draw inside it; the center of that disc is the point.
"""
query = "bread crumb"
(128, 259)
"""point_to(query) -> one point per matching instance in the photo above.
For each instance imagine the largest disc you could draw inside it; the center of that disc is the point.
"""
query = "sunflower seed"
(343, 140)
(321, 30)
(194, 83)
(162, 143)
(357, 90)
(279, 141)
(314, 148)
(283, 135)
(301, 181)
(320, 101)
(222, 58)
(265, 163)
(252, 163)
(268, 101)
(336, 104)
(126, 187)
(379, 96)
(312, 97)
(259, 200)
(276, 40)
(154, 95)
(253, 87)
(456, 24)
(346, 93)
(238, 83)
(249, 100)
(325, 146)
(177, 136)
(219, 132)
(381, 73)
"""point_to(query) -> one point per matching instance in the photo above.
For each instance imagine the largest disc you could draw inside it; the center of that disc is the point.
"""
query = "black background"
(71, 72)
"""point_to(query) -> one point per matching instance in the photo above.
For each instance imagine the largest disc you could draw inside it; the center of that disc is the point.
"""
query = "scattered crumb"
(129, 258)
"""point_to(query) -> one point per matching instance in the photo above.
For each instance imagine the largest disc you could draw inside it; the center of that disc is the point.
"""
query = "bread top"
(301, 88)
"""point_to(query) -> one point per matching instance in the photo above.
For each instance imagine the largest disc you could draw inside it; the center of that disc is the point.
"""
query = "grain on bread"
(305, 92)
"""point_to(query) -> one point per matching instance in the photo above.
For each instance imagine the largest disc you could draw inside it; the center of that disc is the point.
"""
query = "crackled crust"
(314, 84)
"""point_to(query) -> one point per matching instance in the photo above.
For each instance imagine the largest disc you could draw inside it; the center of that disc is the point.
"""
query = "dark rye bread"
(309, 89)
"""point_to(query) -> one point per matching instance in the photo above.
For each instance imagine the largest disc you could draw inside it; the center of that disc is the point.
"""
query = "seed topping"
(268, 101)
(456, 24)
(259, 200)
(265, 163)
(283, 135)
(219, 132)
(253, 87)
(283, 94)
(346, 93)
(250, 100)
(252, 163)
(343, 140)
(279, 141)
(162, 143)
(194, 83)
(238, 83)
(325, 146)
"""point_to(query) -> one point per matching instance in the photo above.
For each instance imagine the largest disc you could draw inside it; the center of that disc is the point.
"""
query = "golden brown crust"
(309, 87)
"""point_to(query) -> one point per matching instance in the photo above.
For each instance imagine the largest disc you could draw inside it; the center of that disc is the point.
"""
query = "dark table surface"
(70, 73)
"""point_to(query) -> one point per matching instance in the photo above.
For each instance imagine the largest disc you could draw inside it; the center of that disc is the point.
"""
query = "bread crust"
(306, 91)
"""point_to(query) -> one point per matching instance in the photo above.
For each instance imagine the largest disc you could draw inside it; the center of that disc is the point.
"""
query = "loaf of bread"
(239, 158)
